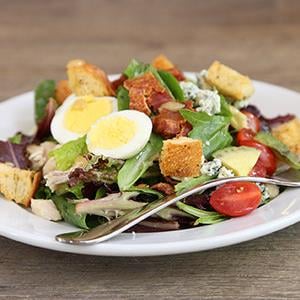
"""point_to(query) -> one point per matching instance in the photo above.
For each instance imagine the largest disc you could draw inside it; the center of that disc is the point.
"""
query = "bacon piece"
(177, 74)
(157, 99)
(189, 105)
(163, 187)
(169, 124)
(116, 83)
(146, 92)
(185, 129)
(138, 101)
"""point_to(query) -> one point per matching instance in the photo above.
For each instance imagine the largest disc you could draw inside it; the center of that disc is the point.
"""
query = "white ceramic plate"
(19, 224)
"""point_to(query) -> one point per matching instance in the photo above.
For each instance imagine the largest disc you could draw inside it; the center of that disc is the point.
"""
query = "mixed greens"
(192, 129)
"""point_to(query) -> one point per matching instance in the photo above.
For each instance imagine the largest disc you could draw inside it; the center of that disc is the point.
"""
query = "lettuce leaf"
(204, 217)
(123, 98)
(136, 166)
(66, 155)
(44, 91)
(211, 130)
(186, 185)
(14, 153)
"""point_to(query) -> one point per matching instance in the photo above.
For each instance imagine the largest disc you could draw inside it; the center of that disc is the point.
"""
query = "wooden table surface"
(259, 37)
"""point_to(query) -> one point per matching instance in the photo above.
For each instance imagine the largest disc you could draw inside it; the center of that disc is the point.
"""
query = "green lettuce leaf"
(188, 184)
(136, 166)
(211, 130)
(123, 98)
(44, 91)
(16, 139)
(67, 210)
(66, 155)
(204, 217)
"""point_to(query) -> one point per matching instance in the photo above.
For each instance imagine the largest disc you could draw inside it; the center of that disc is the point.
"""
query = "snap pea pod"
(136, 166)
(173, 85)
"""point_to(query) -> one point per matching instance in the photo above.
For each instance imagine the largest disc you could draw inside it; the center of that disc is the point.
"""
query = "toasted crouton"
(289, 134)
(229, 82)
(17, 184)
(87, 79)
(161, 62)
(62, 91)
(181, 157)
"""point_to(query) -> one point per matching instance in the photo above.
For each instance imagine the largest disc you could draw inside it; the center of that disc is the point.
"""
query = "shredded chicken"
(55, 178)
(38, 154)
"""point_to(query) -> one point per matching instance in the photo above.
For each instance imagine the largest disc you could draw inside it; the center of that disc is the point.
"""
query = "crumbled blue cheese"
(224, 173)
(211, 168)
(268, 191)
(190, 90)
(264, 192)
(201, 82)
(204, 100)
(208, 101)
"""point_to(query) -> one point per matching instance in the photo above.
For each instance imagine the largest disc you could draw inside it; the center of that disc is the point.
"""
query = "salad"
(104, 147)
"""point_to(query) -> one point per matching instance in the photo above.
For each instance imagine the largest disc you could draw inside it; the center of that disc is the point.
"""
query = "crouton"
(181, 157)
(161, 62)
(17, 184)
(86, 79)
(289, 134)
(62, 91)
(229, 82)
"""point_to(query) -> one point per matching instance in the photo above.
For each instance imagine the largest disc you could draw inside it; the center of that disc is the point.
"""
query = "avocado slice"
(238, 120)
(240, 160)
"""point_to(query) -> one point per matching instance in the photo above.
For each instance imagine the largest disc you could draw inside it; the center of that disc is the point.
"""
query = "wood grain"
(258, 37)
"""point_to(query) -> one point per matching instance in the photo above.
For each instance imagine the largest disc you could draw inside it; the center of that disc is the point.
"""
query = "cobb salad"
(103, 147)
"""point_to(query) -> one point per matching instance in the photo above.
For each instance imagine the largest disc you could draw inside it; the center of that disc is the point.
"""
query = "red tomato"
(244, 134)
(236, 198)
(253, 121)
(267, 157)
(258, 170)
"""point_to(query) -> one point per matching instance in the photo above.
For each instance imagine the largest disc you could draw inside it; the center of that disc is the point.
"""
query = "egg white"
(58, 130)
(135, 144)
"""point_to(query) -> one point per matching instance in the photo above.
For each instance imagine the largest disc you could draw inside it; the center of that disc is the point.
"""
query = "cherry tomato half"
(267, 157)
(253, 121)
(258, 170)
(245, 134)
(236, 198)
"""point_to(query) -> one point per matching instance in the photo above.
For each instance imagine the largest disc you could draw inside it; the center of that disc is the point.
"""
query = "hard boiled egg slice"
(119, 135)
(76, 115)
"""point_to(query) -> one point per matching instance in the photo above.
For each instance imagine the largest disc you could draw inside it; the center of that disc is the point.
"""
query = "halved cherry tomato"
(245, 134)
(267, 157)
(236, 198)
(258, 170)
(253, 121)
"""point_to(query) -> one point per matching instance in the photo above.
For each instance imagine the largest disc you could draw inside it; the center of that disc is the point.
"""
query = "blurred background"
(37, 38)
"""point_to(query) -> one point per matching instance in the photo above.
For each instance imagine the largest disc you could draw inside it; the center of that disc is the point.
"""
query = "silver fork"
(113, 228)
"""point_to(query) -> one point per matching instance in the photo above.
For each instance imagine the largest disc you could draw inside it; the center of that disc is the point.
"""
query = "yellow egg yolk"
(111, 133)
(84, 112)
